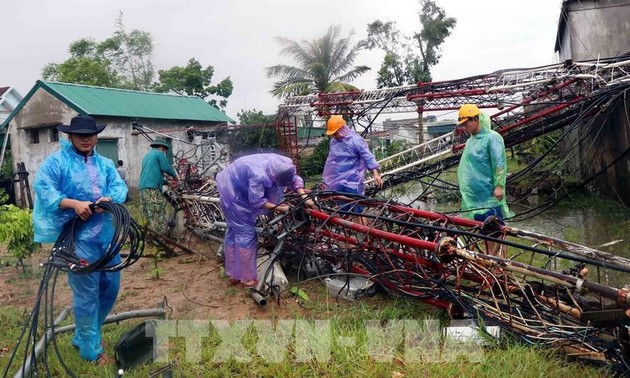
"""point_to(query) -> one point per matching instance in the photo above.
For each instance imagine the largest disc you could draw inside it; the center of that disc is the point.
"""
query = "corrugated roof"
(126, 103)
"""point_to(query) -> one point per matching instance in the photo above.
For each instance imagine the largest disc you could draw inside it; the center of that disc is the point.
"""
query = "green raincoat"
(483, 167)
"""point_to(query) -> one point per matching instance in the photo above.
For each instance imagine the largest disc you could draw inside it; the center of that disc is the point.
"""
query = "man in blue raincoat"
(65, 185)
(348, 158)
(250, 186)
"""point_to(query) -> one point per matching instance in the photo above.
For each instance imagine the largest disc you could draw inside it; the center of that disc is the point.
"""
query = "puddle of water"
(591, 226)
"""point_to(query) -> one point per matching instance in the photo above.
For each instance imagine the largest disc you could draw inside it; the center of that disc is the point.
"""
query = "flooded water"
(593, 227)
(589, 221)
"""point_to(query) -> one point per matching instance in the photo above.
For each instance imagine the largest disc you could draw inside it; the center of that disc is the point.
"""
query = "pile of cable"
(125, 230)
(64, 258)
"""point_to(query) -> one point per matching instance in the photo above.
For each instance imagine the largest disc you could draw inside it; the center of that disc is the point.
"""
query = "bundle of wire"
(63, 258)
(489, 294)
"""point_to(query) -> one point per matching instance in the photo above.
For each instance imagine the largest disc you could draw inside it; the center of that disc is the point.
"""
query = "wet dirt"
(193, 285)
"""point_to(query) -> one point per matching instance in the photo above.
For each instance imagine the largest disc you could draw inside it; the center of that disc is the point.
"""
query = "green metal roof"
(310, 132)
(101, 101)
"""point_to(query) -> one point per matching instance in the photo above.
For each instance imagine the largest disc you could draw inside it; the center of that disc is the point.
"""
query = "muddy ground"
(193, 285)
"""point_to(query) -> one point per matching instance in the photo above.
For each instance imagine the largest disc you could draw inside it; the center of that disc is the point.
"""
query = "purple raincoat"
(347, 161)
(244, 187)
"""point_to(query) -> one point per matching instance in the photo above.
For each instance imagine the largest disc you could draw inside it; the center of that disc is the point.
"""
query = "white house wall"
(43, 112)
(132, 145)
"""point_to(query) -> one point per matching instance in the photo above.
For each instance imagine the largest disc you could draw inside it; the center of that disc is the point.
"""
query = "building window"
(34, 135)
(54, 135)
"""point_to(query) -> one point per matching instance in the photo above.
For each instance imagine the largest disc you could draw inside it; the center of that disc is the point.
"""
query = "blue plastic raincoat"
(67, 174)
(347, 161)
(244, 187)
(482, 167)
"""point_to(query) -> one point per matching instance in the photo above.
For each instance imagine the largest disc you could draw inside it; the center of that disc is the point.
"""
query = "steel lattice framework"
(517, 87)
(539, 100)
(540, 289)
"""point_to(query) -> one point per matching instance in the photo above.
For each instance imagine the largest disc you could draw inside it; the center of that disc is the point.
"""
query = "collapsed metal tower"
(531, 102)
(539, 289)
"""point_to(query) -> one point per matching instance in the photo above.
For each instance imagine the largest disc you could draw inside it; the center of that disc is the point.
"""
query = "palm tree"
(323, 65)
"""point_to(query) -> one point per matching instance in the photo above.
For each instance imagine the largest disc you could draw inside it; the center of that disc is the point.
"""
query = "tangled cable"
(125, 228)
(536, 293)
(64, 258)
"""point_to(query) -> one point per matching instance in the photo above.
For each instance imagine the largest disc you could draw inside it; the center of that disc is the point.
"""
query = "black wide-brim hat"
(81, 125)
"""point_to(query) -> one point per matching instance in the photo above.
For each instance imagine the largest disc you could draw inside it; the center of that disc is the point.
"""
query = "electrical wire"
(64, 258)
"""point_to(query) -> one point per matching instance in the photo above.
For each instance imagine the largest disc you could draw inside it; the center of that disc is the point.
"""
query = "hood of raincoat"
(281, 173)
(67, 174)
(251, 181)
(344, 131)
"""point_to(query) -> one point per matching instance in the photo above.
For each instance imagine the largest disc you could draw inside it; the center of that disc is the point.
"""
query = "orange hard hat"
(334, 123)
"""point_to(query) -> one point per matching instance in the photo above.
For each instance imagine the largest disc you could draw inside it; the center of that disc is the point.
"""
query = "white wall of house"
(36, 120)
(405, 130)
(34, 136)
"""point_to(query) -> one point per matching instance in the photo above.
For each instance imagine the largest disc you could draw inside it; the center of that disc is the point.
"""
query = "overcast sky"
(237, 36)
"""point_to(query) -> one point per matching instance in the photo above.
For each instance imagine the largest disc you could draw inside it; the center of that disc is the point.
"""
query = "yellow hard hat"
(334, 123)
(467, 111)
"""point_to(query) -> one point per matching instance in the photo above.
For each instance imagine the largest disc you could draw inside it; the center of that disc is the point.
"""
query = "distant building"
(310, 136)
(9, 100)
(407, 129)
(591, 30)
(186, 122)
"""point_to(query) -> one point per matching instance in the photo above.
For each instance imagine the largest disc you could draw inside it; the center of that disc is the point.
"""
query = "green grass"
(348, 355)
(345, 354)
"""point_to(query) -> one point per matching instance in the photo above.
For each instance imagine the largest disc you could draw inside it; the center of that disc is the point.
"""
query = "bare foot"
(104, 360)
(250, 283)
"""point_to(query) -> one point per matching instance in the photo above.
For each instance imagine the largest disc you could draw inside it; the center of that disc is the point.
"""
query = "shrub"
(16, 229)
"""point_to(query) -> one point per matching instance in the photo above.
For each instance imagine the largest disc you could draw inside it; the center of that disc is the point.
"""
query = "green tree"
(435, 28)
(323, 65)
(385, 36)
(256, 133)
(313, 164)
(120, 61)
(194, 80)
(255, 117)
(130, 52)
(85, 66)
(408, 59)
(390, 148)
